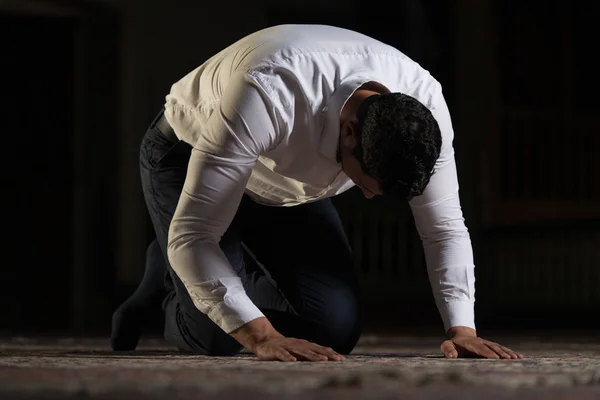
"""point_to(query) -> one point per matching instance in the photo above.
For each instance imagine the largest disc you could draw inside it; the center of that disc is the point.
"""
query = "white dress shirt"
(263, 118)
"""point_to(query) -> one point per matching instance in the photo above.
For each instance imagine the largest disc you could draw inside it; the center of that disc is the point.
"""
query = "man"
(238, 171)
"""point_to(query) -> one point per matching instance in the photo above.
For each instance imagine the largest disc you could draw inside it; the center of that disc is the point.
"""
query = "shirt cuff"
(458, 313)
(234, 311)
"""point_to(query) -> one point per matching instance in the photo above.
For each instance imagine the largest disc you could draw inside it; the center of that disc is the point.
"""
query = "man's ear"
(348, 135)
(349, 142)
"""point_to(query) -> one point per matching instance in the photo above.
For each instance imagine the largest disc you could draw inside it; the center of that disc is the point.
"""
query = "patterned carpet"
(390, 368)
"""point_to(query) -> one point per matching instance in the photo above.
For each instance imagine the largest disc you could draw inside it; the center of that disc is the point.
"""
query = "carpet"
(380, 367)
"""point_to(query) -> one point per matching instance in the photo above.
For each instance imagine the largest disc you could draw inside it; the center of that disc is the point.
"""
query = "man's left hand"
(464, 342)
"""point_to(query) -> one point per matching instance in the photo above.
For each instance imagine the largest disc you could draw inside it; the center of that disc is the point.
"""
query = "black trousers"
(295, 262)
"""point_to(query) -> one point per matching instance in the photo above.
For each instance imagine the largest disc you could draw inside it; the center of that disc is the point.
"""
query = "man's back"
(303, 74)
(268, 47)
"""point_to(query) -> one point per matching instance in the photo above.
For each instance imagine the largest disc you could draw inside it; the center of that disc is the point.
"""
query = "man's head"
(391, 146)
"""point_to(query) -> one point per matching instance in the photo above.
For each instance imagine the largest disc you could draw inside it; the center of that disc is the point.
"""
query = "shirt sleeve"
(240, 128)
(446, 241)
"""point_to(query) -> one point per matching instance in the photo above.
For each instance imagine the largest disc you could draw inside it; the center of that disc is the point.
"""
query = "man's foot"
(129, 319)
(127, 324)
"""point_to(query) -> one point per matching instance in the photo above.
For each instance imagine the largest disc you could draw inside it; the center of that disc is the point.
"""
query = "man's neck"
(352, 105)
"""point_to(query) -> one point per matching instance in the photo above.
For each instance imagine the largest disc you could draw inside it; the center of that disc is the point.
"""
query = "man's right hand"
(260, 337)
(290, 349)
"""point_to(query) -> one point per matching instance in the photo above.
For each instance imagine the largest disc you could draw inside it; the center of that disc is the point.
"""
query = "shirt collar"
(330, 135)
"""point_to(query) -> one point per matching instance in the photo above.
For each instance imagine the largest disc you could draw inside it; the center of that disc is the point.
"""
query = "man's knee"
(342, 337)
(339, 321)
(343, 343)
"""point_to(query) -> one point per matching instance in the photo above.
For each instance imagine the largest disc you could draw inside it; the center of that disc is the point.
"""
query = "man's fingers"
(313, 355)
(480, 348)
(314, 352)
(308, 355)
(512, 353)
(329, 352)
(503, 351)
(285, 355)
(499, 350)
(449, 349)
(318, 357)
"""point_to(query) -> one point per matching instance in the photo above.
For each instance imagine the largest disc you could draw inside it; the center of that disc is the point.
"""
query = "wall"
(536, 257)
(521, 269)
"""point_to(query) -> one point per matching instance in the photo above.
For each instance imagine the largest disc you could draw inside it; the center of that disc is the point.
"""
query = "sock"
(129, 318)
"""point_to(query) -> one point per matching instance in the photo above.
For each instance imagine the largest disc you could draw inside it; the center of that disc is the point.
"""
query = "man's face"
(352, 168)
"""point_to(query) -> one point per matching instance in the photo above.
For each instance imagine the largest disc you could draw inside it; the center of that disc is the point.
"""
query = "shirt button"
(325, 109)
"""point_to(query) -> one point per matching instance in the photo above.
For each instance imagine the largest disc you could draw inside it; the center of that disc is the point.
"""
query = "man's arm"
(446, 241)
(239, 130)
(448, 251)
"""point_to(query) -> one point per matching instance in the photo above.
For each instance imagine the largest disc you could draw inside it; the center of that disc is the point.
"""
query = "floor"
(380, 367)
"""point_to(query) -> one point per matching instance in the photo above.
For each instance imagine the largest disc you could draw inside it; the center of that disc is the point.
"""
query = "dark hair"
(399, 144)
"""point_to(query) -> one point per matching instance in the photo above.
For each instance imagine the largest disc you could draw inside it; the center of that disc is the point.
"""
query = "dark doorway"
(60, 120)
(36, 173)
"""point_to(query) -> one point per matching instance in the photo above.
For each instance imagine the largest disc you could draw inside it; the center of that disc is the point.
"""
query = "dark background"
(81, 80)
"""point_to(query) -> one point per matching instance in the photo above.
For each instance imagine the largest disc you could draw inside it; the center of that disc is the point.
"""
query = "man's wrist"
(461, 331)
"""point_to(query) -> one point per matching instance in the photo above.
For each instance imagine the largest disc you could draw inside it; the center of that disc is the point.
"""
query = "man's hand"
(261, 338)
(290, 349)
(464, 342)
